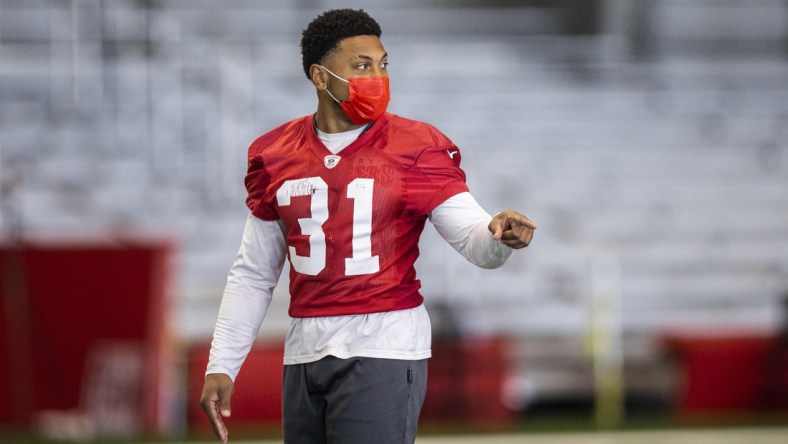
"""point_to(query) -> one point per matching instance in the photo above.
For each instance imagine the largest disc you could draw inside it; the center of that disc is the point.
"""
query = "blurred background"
(647, 138)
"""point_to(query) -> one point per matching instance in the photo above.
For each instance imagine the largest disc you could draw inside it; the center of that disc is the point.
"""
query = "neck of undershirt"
(336, 142)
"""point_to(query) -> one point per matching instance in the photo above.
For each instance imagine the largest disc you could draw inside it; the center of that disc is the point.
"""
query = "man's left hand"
(512, 228)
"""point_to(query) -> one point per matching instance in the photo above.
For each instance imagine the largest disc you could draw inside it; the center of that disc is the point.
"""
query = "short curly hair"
(326, 31)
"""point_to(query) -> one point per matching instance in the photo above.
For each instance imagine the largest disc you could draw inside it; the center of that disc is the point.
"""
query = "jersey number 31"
(360, 190)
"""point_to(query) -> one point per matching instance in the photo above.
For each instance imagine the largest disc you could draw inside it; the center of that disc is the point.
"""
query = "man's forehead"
(361, 46)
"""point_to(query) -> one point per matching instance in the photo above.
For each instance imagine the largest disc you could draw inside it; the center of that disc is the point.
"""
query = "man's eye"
(362, 66)
(384, 65)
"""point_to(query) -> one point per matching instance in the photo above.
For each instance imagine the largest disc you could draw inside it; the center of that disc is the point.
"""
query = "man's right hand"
(215, 400)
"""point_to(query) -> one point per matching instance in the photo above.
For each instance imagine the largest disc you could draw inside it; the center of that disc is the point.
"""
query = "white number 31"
(360, 190)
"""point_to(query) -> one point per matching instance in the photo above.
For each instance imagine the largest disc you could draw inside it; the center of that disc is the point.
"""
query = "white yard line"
(769, 435)
(716, 436)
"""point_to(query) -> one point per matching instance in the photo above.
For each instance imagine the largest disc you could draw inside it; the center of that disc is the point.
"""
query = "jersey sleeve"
(436, 176)
(256, 181)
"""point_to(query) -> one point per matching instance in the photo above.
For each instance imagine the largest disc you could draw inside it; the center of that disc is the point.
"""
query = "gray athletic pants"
(353, 401)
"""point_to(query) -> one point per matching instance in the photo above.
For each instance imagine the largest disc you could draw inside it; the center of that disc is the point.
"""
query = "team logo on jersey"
(452, 153)
(331, 161)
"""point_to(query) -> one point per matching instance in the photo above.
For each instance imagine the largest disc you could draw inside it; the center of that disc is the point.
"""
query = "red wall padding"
(729, 373)
(59, 301)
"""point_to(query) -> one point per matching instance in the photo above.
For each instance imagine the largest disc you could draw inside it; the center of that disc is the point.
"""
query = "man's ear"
(318, 77)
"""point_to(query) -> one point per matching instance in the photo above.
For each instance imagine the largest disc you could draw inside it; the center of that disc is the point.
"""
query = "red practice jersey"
(353, 220)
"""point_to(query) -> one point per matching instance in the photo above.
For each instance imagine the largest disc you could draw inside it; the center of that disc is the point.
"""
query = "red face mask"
(368, 99)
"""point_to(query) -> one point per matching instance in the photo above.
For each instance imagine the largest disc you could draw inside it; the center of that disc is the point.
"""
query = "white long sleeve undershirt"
(462, 222)
(403, 334)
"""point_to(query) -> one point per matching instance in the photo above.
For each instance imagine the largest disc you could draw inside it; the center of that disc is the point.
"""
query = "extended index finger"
(519, 219)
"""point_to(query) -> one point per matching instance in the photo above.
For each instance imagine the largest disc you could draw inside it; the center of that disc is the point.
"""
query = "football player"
(344, 194)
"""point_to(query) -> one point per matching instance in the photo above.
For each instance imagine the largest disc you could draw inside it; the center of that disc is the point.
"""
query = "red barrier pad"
(722, 373)
(63, 302)
(465, 381)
